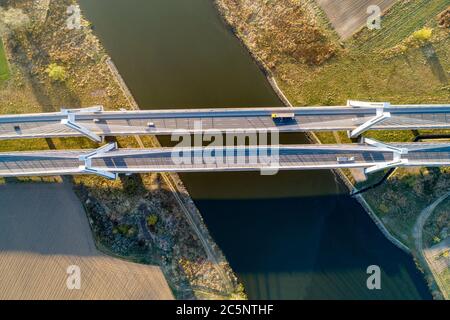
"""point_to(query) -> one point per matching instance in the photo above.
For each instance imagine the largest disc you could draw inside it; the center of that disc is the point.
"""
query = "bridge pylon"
(87, 158)
(380, 116)
(71, 123)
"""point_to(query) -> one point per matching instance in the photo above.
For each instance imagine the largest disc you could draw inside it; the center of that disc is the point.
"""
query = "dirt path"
(418, 236)
(420, 222)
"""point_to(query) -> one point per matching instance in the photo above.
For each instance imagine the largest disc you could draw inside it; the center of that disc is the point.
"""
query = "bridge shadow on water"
(313, 246)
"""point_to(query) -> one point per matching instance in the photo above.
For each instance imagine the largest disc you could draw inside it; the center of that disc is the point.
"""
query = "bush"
(56, 72)
(125, 230)
(152, 220)
(423, 34)
(383, 208)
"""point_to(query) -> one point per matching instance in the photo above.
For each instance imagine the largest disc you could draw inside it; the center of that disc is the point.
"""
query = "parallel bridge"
(108, 161)
(95, 123)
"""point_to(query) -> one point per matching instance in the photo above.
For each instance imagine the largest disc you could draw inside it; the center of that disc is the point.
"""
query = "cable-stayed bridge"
(95, 123)
(109, 161)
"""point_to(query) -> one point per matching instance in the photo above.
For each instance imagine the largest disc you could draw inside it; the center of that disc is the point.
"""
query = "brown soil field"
(43, 231)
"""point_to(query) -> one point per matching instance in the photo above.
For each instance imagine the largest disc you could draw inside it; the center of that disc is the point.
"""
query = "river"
(295, 235)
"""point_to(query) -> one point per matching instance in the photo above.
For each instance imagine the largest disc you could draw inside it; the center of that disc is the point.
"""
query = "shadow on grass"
(49, 99)
(434, 62)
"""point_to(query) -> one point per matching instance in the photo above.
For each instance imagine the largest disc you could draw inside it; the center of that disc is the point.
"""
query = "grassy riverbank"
(139, 217)
(383, 65)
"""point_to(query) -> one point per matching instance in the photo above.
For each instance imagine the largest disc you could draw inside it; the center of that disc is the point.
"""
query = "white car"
(345, 159)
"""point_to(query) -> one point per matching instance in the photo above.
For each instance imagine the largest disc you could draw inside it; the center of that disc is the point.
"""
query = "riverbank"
(144, 218)
(346, 72)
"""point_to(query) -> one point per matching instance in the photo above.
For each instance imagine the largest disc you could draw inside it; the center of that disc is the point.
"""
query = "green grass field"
(4, 70)
(363, 70)
(402, 20)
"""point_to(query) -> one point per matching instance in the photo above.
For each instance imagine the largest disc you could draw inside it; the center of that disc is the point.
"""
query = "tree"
(125, 230)
(56, 72)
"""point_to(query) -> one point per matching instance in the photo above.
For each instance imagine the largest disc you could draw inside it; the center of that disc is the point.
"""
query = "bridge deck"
(292, 157)
(166, 122)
